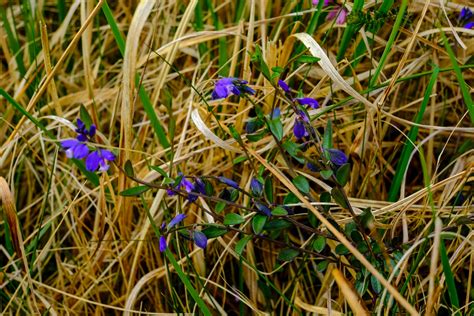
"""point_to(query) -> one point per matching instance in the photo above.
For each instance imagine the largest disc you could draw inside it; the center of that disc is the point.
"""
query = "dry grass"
(76, 248)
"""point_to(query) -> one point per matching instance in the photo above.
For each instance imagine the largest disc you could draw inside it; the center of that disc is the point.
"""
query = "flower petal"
(337, 156)
(229, 182)
(68, 143)
(308, 101)
(163, 244)
(283, 85)
(200, 239)
(299, 129)
(92, 161)
(80, 151)
(176, 220)
(107, 154)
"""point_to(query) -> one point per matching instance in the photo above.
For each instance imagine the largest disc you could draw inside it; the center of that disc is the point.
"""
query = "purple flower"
(182, 183)
(199, 186)
(98, 159)
(200, 239)
(465, 14)
(176, 220)
(256, 187)
(75, 148)
(226, 86)
(263, 208)
(337, 156)
(229, 182)
(163, 244)
(312, 103)
(339, 14)
(469, 25)
(311, 166)
(284, 86)
(299, 129)
(84, 134)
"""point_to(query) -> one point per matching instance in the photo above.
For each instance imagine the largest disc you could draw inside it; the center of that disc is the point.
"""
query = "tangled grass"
(396, 85)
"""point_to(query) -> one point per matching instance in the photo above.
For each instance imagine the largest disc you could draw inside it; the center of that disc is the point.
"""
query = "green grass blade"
(13, 42)
(148, 107)
(448, 273)
(61, 5)
(390, 42)
(462, 83)
(350, 31)
(402, 164)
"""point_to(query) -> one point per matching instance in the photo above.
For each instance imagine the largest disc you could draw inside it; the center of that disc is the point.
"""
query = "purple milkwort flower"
(229, 182)
(98, 159)
(312, 103)
(256, 186)
(311, 166)
(469, 25)
(339, 14)
(183, 183)
(163, 244)
(284, 86)
(84, 133)
(465, 14)
(263, 208)
(299, 129)
(176, 220)
(337, 156)
(225, 86)
(75, 148)
(200, 239)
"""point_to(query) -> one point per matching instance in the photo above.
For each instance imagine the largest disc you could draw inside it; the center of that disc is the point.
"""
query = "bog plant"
(270, 211)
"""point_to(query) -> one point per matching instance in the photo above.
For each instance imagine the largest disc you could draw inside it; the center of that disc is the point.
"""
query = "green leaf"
(159, 170)
(258, 222)
(290, 198)
(135, 190)
(220, 206)
(327, 138)
(256, 137)
(326, 174)
(276, 128)
(325, 197)
(322, 265)
(233, 219)
(277, 224)
(128, 168)
(366, 218)
(268, 187)
(342, 174)
(85, 117)
(448, 273)
(213, 231)
(288, 254)
(341, 250)
(306, 59)
(339, 197)
(376, 285)
(319, 243)
(240, 245)
(301, 183)
(279, 211)
(293, 150)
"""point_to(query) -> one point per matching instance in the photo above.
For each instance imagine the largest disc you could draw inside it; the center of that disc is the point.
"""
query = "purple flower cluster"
(226, 86)
(200, 239)
(77, 148)
(466, 17)
(182, 183)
